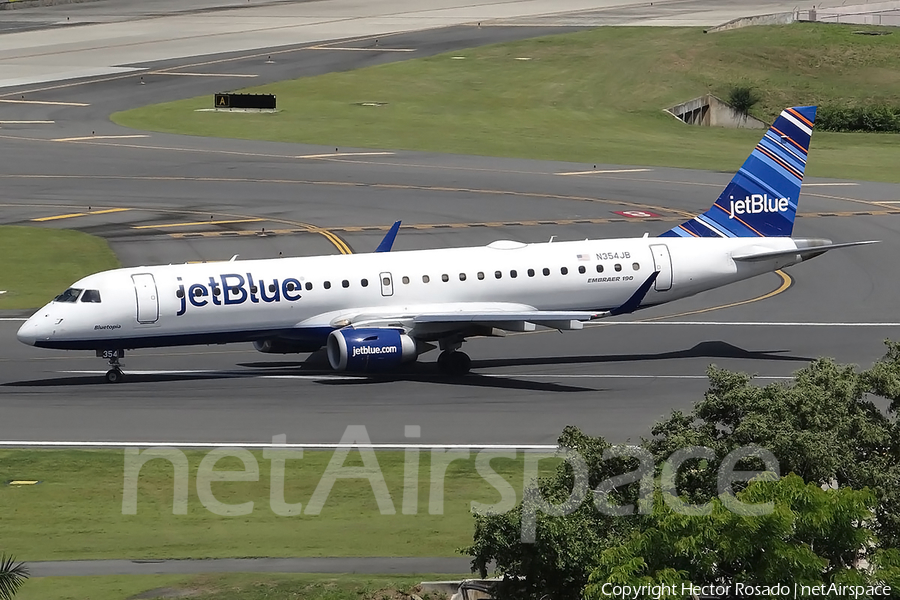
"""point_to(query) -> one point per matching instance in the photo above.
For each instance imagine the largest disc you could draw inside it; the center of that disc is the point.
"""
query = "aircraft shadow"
(426, 372)
(711, 350)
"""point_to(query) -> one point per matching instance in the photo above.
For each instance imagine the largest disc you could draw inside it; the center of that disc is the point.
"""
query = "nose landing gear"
(115, 373)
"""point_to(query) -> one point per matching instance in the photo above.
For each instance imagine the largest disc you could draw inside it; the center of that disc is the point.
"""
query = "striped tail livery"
(761, 200)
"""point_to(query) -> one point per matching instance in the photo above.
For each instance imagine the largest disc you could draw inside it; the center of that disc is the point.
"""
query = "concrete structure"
(709, 111)
(781, 18)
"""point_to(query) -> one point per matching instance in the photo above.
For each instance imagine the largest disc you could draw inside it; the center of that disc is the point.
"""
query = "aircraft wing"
(428, 319)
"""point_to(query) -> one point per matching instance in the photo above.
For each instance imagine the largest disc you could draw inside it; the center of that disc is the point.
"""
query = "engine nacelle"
(369, 349)
(285, 346)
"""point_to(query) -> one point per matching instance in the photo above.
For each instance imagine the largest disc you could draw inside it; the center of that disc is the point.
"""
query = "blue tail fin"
(761, 200)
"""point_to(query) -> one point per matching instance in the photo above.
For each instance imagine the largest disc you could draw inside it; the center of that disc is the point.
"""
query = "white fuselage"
(308, 297)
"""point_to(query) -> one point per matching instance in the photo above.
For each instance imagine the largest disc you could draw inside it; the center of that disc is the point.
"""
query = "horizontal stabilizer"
(805, 252)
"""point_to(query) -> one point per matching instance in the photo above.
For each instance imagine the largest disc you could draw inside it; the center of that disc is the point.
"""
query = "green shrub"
(742, 98)
(881, 118)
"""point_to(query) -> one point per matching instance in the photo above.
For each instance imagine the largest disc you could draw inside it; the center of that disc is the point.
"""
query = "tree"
(555, 564)
(822, 426)
(12, 575)
(812, 537)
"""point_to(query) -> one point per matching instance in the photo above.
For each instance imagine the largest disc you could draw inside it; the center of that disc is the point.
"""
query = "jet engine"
(369, 349)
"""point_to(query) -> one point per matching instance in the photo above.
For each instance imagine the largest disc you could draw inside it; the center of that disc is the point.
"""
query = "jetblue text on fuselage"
(756, 204)
(233, 288)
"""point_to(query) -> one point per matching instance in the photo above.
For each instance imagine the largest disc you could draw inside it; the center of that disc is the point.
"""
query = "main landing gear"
(115, 373)
(451, 361)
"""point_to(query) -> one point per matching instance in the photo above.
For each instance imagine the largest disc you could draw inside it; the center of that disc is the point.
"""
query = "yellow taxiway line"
(81, 214)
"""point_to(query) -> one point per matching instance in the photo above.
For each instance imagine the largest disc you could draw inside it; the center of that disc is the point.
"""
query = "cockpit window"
(70, 295)
(91, 296)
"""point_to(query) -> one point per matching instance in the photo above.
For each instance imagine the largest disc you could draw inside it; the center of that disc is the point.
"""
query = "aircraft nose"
(27, 333)
(40, 326)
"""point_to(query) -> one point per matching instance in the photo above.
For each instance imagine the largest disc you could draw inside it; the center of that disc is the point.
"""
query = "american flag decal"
(584, 257)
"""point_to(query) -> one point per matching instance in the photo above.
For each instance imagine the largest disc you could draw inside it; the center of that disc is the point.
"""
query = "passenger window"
(272, 289)
(178, 294)
(308, 285)
(636, 266)
(564, 271)
(546, 271)
(217, 290)
(480, 275)
(498, 274)
(445, 278)
(94, 296)
(290, 287)
(327, 285)
(425, 278)
(618, 267)
(513, 274)
(70, 295)
(581, 269)
(405, 279)
(599, 268)
(365, 283)
(345, 283)
(462, 276)
(197, 292)
(253, 289)
(531, 272)
(386, 281)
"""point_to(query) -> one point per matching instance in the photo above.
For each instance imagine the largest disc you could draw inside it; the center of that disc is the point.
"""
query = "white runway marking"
(27, 122)
(596, 172)
(340, 154)
(220, 373)
(8, 101)
(376, 49)
(257, 445)
(99, 137)
(202, 74)
(608, 376)
(363, 377)
(13, 318)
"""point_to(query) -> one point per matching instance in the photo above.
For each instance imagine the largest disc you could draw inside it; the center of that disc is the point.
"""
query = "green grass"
(594, 96)
(231, 586)
(77, 510)
(38, 264)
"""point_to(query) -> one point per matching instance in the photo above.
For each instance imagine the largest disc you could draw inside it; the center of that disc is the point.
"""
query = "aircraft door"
(663, 262)
(146, 296)
(387, 284)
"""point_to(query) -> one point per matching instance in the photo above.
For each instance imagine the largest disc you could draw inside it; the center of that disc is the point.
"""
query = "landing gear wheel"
(115, 375)
(454, 363)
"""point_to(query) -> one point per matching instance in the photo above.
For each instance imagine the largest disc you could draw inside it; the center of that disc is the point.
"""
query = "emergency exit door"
(663, 262)
(387, 284)
(146, 298)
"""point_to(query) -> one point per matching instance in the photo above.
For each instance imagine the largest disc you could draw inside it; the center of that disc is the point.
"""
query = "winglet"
(388, 242)
(633, 303)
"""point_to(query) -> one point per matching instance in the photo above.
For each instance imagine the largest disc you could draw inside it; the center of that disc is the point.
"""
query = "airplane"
(373, 312)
